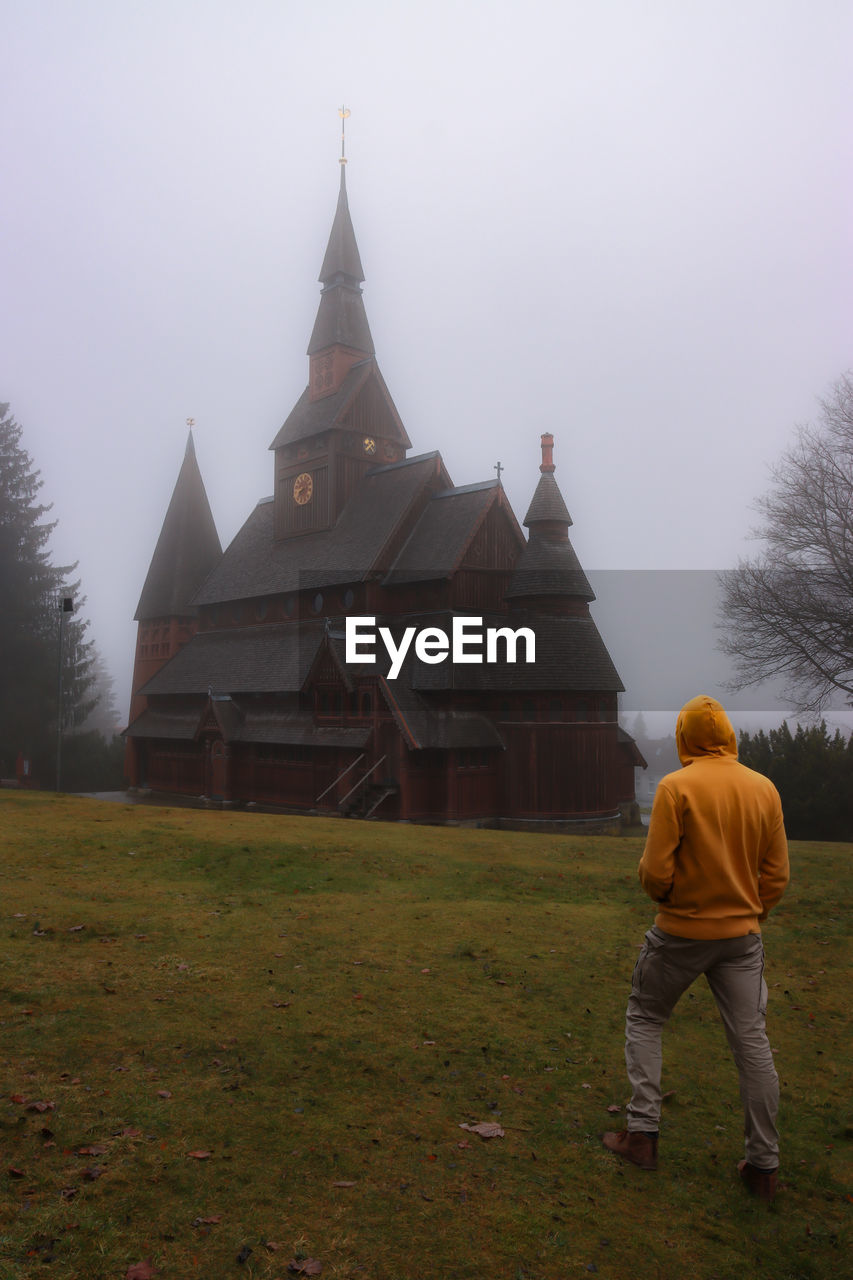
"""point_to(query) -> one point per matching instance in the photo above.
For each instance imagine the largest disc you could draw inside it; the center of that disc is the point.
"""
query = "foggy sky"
(628, 224)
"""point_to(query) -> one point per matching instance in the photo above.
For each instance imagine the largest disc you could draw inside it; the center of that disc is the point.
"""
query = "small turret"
(548, 573)
(186, 551)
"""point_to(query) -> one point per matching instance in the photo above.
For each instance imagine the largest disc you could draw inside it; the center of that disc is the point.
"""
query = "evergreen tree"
(813, 773)
(32, 624)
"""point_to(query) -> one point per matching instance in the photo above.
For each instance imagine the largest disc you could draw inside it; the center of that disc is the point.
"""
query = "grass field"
(232, 1044)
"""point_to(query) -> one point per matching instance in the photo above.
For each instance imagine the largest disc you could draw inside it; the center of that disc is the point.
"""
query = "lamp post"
(65, 605)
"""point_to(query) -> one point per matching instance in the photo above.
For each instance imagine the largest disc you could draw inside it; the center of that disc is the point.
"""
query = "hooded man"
(716, 862)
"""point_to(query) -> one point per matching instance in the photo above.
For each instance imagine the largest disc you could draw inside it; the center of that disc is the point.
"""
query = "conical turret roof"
(548, 565)
(547, 503)
(547, 568)
(186, 551)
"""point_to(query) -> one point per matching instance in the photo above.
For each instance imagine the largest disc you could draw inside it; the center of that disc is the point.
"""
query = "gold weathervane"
(190, 423)
(344, 113)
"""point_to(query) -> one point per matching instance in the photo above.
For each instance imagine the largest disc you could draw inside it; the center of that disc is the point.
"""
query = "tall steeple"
(341, 335)
(345, 422)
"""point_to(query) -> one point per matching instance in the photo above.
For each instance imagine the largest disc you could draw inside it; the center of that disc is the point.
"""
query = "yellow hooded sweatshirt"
(716, 856)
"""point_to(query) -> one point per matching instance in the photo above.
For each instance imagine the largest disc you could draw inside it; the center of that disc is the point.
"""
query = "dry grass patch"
(258, 1038)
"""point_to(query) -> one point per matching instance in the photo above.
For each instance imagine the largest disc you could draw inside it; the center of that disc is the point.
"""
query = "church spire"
(341, 319)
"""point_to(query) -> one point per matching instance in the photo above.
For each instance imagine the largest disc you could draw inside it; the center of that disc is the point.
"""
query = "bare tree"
(789, 612)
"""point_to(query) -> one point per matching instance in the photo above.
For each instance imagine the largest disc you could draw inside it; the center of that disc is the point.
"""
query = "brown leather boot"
(639, 1148)
(758, 1182)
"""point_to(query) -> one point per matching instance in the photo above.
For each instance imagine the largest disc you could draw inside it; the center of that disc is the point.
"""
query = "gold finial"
(344, 113)
(190, 423)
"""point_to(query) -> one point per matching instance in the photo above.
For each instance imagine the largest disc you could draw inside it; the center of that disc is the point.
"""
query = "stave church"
(309, 667)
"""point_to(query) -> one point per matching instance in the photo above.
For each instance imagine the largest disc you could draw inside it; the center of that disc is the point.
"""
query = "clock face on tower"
(303, 488)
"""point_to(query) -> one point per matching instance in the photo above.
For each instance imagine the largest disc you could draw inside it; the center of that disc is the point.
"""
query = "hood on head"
(704, 729)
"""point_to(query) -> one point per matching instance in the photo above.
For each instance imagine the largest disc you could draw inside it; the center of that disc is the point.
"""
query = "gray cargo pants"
(734, 968)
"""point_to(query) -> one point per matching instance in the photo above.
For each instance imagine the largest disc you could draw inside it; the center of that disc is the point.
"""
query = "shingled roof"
(186, 551)
(570, 655)
(549, 568)
(255, 564)
(547, 502)
(548, 565)
(439, 540)
(309, 417)
(268, 659)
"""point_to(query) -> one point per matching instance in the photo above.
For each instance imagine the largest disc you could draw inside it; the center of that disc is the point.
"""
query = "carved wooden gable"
(496, 544)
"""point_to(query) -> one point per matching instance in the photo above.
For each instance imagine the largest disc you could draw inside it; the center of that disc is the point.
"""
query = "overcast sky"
(628, 223)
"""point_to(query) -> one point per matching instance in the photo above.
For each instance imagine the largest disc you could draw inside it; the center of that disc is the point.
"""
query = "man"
(716, 861)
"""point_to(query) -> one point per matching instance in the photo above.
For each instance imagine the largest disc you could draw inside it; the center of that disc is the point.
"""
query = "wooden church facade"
(242, 691)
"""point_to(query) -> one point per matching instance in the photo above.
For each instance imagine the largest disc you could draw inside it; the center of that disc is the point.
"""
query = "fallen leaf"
(41, 1106)
(17, 1097)
(141, 1271)
(208, 1222)
(16, 1173)
(305, 1266)
(92, 1151)
(164, 1093)
(75, 928)
(92, 1174)
(613, 1109)
(342, 1182)
(485, 1129)
(199, 1155)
